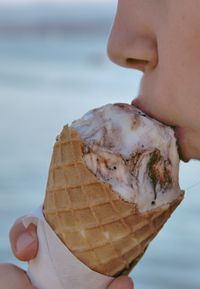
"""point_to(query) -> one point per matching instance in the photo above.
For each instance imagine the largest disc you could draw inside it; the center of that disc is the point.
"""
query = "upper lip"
(137, 103)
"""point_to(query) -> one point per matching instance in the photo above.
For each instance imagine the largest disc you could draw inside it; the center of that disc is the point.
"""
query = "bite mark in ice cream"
(136, 154)
(112, 185)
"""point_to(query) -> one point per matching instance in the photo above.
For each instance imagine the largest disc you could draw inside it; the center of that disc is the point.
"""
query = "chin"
(187, 150)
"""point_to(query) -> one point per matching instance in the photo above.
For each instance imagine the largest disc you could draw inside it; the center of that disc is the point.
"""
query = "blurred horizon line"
(45, 18)
(9, 3)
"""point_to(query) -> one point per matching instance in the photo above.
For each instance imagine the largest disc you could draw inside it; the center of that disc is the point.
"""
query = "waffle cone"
(106, 233)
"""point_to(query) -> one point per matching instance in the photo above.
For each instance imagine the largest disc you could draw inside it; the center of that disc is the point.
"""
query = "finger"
(24, 242)
(12, 277)
(123, 282)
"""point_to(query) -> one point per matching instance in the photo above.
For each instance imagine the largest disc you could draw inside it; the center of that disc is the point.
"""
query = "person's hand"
(24, 244)
(122, 282)
(12, 277)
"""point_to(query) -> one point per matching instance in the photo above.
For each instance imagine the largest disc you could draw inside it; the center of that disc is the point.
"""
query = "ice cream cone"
(102, 230)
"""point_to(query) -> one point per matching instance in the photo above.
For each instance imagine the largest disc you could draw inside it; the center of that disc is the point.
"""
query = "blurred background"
(53, 69)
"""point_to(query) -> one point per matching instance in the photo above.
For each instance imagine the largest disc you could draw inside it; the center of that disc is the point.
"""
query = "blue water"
(46, 82)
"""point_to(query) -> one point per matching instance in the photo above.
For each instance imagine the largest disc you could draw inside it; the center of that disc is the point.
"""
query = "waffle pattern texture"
(103, 231)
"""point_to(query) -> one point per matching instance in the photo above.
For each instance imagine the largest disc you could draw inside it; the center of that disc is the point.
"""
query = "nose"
(132, 42)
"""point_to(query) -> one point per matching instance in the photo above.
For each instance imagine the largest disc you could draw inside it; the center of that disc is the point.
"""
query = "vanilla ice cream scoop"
(112, 185)
(134, 153)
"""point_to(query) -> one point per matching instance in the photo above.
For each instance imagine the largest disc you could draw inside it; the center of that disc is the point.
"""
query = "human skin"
(24, 244)
(12, 277)
(161, 38)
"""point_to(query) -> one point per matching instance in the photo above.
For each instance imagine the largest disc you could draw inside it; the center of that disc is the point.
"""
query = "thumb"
(12, 277)
(24, 242)
(122, 282)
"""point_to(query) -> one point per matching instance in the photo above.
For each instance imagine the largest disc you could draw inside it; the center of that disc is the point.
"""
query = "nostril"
(137, 63)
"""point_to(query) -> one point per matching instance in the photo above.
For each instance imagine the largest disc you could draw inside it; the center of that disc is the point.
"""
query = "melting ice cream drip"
(159, 172)
(134, 153)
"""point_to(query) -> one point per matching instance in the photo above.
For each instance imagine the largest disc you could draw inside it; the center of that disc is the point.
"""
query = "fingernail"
(31, 229)
(23, 241)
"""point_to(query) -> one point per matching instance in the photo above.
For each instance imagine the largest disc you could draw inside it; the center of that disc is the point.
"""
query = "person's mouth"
(178, 132)
(137, 103)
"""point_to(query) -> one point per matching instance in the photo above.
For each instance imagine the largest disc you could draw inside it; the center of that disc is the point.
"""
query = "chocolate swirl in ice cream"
(137, 155)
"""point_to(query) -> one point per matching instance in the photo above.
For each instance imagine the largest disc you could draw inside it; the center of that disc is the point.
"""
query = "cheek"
(176, 78)
(158, 94)
(176, 99)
